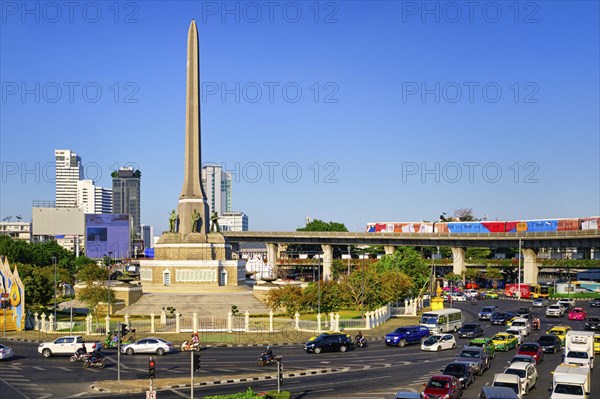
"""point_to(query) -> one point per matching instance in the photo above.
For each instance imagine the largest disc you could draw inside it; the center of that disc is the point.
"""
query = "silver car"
(149, 345)
(539, 303)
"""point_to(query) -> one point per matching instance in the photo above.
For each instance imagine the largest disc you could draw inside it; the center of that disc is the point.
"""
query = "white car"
(555, 311)
(508, 381)
(566, 303)
(149, 345)
(527, 373)
(438, 342)
(67, 346)
(458, 297)
(471, 293)
(5, 352)
(522, 324)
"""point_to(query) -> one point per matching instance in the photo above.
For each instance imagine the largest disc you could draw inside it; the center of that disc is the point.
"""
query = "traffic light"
(196, 362)
(152, 368)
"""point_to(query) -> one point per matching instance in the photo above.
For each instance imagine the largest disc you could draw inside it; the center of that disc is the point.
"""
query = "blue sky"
(407, 109)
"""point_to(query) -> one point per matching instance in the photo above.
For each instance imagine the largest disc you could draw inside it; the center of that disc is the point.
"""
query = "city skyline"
(421, 133)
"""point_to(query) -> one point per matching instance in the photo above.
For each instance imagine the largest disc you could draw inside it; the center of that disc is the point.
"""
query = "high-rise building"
(147, 236)
(126, 195)
(217, 184)
(69, 171)
(233, 221)
(92, 198)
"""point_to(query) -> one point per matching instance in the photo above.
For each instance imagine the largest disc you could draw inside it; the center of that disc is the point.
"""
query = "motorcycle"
(473, 301)
(187, 346)
(79, 357)
(94, 360)
(361, 342)
(266, 360)
(536, 324)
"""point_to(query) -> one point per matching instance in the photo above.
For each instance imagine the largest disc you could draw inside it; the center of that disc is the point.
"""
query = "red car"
(577, 314)
(442, 386)
(532, 349)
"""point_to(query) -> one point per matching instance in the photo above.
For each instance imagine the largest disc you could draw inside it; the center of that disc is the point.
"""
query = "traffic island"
(142, 385)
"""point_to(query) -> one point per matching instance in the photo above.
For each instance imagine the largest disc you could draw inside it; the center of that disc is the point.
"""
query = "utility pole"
(54, 262)
(519, 280)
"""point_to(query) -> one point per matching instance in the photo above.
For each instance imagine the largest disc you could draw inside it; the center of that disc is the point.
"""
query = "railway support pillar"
(458, 261)
(272, 256)
(530, 266)
(327, 262)
(389, 249)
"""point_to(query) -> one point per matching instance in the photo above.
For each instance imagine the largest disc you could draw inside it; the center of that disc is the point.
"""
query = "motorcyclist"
(81, 351)
(473, 300)
(359, 337)
(195, 338)
(267, 354)
(536, 323)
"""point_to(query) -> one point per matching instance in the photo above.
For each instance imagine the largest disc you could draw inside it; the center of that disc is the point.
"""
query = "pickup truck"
(67, 346)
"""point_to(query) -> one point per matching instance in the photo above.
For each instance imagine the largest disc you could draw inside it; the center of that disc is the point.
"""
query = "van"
(488, 392)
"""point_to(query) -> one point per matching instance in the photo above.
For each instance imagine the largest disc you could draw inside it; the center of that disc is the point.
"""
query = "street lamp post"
(108, 290)
(54, 263)
(349, 257)
(519, 275)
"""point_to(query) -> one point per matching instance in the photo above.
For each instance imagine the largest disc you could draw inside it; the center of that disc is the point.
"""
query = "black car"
(470, 330)
(329, 343)
(550, 343)
(595, 303)
(500, 318)
(592, 323)
(461, 370)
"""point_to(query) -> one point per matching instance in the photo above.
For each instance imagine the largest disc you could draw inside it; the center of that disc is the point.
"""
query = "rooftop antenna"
(19, 217)
(7, 219)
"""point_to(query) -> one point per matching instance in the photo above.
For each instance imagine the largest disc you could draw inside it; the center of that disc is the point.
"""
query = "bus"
(440, 321)
(527, 290)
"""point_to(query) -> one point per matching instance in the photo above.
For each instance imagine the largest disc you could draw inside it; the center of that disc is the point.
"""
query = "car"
(566, 303)
(555, 311)
(596, 343)
(329, 343)
(577, 314)
(149, 345)
(486, 343)
(457, 296)
(539, 303)
(442, 386)
(462, 371)
(527, 373)
(407, 395)
(595, 303)
(517, 333)
(406, 335)
(488, 392)
(438, 342)
(560, 331)
(550, 343)
(508, 381)
(522, 324)
(476, 357)
(504, 341)
(67, 346)
(5, 352)
(522, 358)
(491, 294)
(592, 323)
(470, 330)
(523, 312)
(533, 349)
(487, 312)
(471, 293)
(500, 318)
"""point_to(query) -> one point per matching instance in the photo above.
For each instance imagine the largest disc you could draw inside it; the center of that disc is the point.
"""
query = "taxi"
(596, 343)
(560, 331)
(504, 341)
(491, 295)
(577, 314)
(486, 344)
(510, 321)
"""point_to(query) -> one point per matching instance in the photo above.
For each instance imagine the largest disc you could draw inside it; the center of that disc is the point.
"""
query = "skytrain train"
(532, 226)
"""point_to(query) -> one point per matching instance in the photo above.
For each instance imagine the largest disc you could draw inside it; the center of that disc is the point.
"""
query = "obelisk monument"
(192, 208)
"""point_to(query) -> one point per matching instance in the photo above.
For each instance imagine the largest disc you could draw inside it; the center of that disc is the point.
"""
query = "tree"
(93, 294)
(472, 274)
(477, 253)
(92, 272)
(319, 225)
(464, 214)
(410, 262)
(39, 289)
(452, 277)
(289, 297)
(493, 273)
(331, 296)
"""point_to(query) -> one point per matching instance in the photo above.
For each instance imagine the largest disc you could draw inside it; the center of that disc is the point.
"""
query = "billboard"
(57, 221)
(107, 234)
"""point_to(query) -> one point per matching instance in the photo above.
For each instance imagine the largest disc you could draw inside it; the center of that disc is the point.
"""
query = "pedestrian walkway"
(11, 375)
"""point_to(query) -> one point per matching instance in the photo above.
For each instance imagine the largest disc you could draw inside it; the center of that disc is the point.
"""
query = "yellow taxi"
(491, 295)
(504, 341)
(596, 343)
(560, 331)
(510, 321)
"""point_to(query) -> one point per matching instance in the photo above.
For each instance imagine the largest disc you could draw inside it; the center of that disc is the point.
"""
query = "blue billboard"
(107, 234)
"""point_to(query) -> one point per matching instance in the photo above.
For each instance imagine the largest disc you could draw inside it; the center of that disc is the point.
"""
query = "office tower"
(126, 195)
(217, 185)
(92, 198)
(69, 171)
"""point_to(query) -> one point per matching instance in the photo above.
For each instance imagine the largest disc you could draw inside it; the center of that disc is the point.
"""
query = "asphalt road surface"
(374, 372)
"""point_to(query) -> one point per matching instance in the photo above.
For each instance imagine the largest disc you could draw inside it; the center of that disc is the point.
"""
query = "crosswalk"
(13, 377)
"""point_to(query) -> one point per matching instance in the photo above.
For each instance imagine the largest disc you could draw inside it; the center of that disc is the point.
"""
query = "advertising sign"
(107, 235)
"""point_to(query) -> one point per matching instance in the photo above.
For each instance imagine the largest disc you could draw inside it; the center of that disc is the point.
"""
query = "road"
(375, 372)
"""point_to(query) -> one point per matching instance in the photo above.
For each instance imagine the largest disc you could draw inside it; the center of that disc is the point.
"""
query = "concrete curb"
(224, 382)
